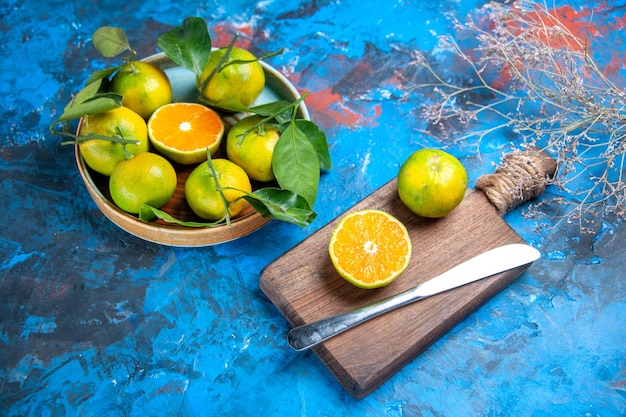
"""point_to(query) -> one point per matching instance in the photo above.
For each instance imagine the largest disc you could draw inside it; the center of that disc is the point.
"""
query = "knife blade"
(486, 264)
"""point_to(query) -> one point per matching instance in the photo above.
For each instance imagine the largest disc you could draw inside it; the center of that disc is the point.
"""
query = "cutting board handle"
(522, 176)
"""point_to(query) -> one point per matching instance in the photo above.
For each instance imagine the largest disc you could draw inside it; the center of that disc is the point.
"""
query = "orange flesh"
(186, 126)
(370, 248)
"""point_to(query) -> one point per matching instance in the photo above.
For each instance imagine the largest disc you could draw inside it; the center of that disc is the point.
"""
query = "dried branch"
(535, 77)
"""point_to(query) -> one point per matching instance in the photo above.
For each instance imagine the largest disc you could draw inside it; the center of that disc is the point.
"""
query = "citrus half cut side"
(185, 131)
(370, 248)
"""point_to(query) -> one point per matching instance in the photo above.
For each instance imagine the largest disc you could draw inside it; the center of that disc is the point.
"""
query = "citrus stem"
(249, 61)
(79, 139)
(220, 63)
(223, 61)
(218, 188)
(294, 106)
(129, 59)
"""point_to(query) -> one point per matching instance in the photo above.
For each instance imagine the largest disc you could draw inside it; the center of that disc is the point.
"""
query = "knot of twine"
(522, 176)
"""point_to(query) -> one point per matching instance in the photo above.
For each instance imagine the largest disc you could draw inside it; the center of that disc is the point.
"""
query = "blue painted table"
(94, 321)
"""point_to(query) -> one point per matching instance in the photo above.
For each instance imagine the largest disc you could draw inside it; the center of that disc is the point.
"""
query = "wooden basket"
(183, 85)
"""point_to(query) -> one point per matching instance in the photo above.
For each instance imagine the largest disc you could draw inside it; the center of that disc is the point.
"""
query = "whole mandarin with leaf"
(432, 183)
(253, 151)
(203, 196)
(144, 87)
(235, 84)
(147, 178)
(103, 155)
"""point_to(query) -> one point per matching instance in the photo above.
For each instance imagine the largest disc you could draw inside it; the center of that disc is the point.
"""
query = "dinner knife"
(484, 265)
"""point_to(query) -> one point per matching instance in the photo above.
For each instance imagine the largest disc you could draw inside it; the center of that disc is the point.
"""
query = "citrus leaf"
(281, 110)
(97, 104)
(188, 45)
(231, 107)
(295, 163)
(148, 214)
(281, 205)
(110, 41)
(87, 92)
(318, 139)
(100, 75)
(89, 101)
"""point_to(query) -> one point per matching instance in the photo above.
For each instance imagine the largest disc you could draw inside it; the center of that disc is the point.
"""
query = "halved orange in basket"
(185, 131)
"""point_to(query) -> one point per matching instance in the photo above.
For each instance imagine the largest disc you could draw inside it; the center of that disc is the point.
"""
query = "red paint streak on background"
(615, 65)
(223, 33)
(328, 107)
(617, 60)
(619, 23)
(504, 77)
(331, 109)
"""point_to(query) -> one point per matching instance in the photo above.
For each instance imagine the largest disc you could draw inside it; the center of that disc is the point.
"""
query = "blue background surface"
(94, 321)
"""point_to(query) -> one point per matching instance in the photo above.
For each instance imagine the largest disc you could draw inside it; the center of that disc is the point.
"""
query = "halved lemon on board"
(370, 248)
(185, 131)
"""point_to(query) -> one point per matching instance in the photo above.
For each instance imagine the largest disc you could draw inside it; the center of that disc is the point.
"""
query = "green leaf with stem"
(283, 205)
(111, 41)
(148, 213)
(101, 75)
(97, 104)
(94, 98)
(82, 138)
(274, 203)
(224, 62)
(219, 188)
(318, 140)
(89, 100)
(249, 61)
(281, 110)
(188, 45)
(295, 162)
(220, 63)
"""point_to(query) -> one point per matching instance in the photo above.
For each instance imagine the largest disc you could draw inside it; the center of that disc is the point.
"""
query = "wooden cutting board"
(305, 287)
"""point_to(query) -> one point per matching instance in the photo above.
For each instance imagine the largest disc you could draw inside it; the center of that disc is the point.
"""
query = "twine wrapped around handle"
(522, 176)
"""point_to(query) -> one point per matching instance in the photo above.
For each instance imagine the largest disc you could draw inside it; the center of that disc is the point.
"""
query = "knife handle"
(308, 335)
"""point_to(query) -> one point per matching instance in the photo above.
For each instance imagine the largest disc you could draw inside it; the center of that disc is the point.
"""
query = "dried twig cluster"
(533, 76)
